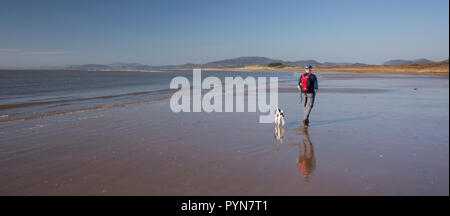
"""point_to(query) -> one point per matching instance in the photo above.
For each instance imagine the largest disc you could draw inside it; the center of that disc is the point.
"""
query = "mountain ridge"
(238, 62)
(403, 61)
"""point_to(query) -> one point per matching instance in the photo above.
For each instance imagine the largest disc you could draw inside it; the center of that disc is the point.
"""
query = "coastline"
(440, 68)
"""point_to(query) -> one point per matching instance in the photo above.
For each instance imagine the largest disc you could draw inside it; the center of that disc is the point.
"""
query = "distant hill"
(126, 65)
(359, 64)
(301, 63)
(402, 61)
(240, 62)
(422, 60)
(336, 64)
(263, 61)
(333, 64)
(114, 66)
(89, 67)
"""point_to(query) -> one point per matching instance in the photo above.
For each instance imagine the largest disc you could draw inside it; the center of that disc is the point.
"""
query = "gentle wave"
(156, 95)
(21, 105)
(84, 110)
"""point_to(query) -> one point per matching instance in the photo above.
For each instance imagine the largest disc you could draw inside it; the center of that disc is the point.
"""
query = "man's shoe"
(305, 123)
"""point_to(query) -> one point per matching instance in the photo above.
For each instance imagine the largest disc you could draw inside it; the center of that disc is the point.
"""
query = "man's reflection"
(279, 133)
(306, 162)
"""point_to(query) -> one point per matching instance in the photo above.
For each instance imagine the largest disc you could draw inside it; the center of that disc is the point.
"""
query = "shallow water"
(32, 94)
(369, 135)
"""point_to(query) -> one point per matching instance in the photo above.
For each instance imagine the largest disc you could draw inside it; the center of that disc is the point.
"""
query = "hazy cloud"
(44, 52)
(29, 52)
(9, 50)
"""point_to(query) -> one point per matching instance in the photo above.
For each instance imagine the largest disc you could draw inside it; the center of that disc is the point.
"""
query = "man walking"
(308, 86)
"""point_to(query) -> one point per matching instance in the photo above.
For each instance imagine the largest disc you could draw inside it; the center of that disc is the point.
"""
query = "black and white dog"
(279, 117)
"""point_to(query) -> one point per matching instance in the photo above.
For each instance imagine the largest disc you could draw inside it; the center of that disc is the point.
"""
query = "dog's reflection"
(279, 132)
(306, 162)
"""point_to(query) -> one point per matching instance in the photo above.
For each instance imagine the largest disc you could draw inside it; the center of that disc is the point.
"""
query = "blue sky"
(37, 33)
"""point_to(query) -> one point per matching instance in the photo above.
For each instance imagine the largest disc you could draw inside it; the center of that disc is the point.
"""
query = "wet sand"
(369, 135)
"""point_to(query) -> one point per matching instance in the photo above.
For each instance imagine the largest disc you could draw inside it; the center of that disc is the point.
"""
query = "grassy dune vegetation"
(435, 68)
